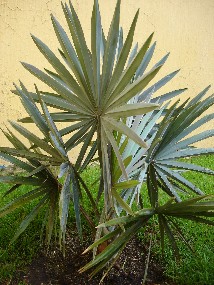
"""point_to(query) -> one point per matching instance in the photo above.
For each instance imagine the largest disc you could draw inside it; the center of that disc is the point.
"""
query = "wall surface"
(183, 27)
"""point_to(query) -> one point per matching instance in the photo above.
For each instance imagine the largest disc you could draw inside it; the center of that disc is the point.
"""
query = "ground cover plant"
(106, 96)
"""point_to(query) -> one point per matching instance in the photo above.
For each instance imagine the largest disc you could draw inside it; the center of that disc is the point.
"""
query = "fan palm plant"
(105, 96)
(159, 172)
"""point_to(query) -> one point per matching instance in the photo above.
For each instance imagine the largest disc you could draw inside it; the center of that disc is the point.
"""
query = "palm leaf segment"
(38, 171)
(168, 140)
(35, 173)
(174, 140)
(93, 89)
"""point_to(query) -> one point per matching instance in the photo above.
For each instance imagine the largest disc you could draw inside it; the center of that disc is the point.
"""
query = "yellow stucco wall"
(183, 27)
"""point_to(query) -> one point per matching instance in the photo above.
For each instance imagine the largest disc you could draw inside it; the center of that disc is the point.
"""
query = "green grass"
(17, 255)
(193, 269)
(199, 268)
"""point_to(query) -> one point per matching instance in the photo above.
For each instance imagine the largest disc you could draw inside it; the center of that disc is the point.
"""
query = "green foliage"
(102, 95)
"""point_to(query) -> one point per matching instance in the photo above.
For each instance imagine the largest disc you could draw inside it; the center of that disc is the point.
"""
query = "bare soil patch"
(50, 267)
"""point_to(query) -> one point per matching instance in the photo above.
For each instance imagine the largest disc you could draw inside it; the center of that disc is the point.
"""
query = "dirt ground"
(52, 268)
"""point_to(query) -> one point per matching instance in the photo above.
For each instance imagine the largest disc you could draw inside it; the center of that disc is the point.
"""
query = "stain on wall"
(183, 27)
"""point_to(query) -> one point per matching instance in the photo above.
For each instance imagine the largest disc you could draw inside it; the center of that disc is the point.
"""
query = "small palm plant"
(111, 114)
